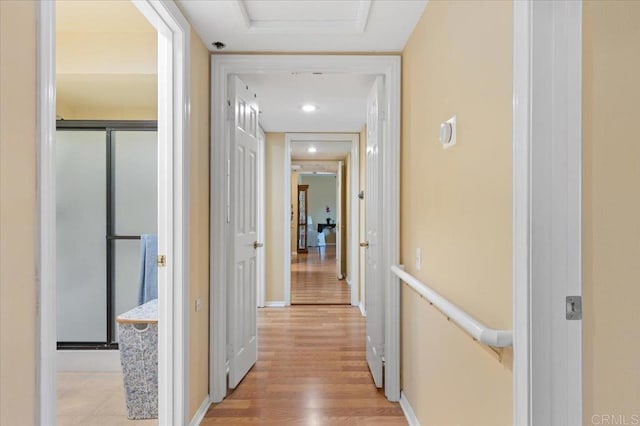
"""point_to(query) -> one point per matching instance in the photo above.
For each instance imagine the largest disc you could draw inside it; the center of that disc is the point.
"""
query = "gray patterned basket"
(138, 343)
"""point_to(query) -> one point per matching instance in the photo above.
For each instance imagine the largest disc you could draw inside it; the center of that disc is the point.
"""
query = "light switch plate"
(198, 304)
(418, 259)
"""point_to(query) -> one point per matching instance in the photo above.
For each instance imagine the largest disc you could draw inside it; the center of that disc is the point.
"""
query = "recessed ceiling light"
(312, 150)
(309, 108)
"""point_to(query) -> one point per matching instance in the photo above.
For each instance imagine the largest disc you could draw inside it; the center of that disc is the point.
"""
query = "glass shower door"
(80, 226)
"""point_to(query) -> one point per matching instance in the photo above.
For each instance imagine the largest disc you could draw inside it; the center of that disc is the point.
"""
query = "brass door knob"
(257, 244)
(365, 244)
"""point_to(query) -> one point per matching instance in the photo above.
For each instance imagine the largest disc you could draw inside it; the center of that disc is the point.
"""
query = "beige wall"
(456, 206)
(106, 62)
(199, 224)
(275, 244)
(362, 152)
(17, 213)
(611, 208)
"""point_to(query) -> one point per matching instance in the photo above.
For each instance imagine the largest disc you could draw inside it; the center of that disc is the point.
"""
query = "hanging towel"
(148, 268)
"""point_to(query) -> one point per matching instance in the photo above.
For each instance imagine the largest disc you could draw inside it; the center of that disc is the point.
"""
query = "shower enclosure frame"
(108, 126)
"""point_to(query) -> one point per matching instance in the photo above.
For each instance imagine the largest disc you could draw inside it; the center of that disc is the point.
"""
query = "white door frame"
(262, 222)
(173, 139)
(547, 176)
(353, 220)
(388, 66)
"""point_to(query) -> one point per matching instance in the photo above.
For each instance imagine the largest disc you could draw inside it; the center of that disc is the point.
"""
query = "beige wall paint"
(105, 69)
(362, 170)
(274, 246)
(456, 206)
(199, 223)
(322, 193)
(611, 208)
(18, 212)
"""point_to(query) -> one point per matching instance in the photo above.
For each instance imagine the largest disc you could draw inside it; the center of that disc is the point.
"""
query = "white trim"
(92, 360)
(547, 214)
(198, 417)
(173, 227)
(46, 195)
(339, 225)
(408, 410)
(388, 66)
(362, 310)
(522, 414)
(323, 26)
(276, 304)
(262, 222)
(288, 202)
(354, 218)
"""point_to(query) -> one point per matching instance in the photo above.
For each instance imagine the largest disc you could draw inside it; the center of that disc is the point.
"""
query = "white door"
(374, 300)
(243, 219)
(339, 224)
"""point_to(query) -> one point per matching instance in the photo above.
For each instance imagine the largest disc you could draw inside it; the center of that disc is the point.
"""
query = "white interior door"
(243, 220)
(339, 224)
(374, 301)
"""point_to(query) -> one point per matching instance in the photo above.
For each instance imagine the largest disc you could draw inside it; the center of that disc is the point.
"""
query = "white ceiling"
(304, 25)
(341, 100)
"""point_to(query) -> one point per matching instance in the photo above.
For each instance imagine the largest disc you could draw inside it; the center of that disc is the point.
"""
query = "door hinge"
(574, 307)
(231, 111)
(162, 261)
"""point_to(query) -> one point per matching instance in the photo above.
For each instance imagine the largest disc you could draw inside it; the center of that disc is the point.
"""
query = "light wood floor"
(311, 370)
(93, 398)
(314, 278)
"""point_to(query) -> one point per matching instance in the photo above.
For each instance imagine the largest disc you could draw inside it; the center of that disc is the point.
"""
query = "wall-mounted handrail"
(479, 331)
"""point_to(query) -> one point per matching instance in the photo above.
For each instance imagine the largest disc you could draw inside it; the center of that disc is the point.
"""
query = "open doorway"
(170, 43)
(107, 210)
(317, 192)
(327, 75)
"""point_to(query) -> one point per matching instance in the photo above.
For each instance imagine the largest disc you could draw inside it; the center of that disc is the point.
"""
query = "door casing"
(388, 66)
(173, 200)
(547, 144)
(352, 252)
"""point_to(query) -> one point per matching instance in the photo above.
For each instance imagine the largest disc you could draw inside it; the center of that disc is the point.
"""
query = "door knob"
(256, 245)
(365, 244)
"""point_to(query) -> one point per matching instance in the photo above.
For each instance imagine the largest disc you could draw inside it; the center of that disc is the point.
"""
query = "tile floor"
(90, 398)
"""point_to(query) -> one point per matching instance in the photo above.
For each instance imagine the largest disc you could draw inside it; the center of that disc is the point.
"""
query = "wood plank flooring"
(311, 370)
(314, 278)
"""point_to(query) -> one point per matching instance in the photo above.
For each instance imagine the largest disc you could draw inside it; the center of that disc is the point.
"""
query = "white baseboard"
(275, 304)
(362, 311)
(408, 411)
(92, 360)
(199, 416)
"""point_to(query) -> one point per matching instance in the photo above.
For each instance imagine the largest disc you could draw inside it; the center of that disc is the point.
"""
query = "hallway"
(313, 279)
(311, 370)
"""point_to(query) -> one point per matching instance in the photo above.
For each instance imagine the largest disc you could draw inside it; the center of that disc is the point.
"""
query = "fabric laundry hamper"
(138, 343)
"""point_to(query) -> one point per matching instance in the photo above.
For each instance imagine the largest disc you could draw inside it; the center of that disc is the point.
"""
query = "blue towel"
(148, 268)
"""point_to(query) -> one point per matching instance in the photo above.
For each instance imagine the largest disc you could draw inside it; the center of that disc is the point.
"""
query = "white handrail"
(479, 331)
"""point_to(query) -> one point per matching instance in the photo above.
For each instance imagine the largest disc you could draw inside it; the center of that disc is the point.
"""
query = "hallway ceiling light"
(309, 108)
(312, 150)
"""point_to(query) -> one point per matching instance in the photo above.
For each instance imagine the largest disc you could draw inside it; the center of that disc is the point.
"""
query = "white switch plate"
(198, 304)
(418, 259)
